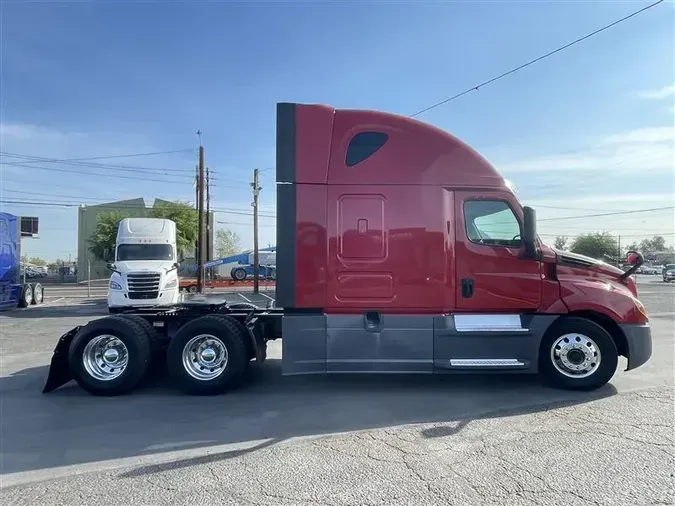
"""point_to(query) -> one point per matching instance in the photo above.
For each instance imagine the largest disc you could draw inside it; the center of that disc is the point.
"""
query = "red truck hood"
(581, 261)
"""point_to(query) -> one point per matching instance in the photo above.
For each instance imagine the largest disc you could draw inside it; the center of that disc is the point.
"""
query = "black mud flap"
(59, 369)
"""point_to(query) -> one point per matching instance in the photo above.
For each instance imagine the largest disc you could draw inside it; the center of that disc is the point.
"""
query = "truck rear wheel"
(208, 356)
(110, 356)
(26, 295)
(38, 294)
(577, 354)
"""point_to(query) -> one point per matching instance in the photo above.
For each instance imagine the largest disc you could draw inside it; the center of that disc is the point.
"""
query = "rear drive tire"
(38, 294)
(26, 298)
(192, 289)
(208, 356)
(110, 356)
(239, 274)
(577, 354)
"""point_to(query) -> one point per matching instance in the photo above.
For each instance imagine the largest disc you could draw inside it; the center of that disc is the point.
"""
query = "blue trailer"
(13, 291)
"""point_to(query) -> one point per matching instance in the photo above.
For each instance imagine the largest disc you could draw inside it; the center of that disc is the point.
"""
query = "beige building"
(86, 225)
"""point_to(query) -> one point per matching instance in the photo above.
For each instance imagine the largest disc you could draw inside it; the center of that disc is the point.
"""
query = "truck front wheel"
(110, 356)
(208, 355)
(577, 354)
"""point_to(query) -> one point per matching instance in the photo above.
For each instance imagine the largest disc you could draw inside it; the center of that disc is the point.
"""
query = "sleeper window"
(364, 145)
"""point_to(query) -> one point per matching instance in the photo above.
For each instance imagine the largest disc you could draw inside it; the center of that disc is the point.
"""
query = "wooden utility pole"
(256, 261)
(200, 216)
(197, 209)
(209, 232)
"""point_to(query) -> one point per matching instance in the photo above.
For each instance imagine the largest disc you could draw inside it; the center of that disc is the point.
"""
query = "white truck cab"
(145, 270)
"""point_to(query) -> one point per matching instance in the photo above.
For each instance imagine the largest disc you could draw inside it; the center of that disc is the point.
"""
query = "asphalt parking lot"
(468, 440)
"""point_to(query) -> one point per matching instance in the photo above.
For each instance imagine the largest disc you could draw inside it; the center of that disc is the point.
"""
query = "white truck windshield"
(130, 252)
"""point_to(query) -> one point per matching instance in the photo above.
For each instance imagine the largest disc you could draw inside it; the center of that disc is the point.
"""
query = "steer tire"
(231, 334)
(137, 342)
(588, 331)
(26, 297)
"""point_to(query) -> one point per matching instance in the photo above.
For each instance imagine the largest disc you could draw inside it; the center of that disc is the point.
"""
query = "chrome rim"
(575, 355)
(193, 289)
(28, 295)
(38, 295)
(205, 357)
(105, 357)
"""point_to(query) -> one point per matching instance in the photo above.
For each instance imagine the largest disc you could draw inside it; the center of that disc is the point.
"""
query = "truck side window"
(364, 145)
(491, 222)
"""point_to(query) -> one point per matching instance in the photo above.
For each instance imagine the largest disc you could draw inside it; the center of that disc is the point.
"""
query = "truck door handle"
(467, 287)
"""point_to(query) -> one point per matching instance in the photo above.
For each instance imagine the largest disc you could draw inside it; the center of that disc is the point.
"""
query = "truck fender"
(59, 369)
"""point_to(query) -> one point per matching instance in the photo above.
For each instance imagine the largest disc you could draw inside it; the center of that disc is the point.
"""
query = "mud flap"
(59, 369)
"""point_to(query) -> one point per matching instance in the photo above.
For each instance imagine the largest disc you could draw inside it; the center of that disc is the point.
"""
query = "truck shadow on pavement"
(70, 427)
(74, 309)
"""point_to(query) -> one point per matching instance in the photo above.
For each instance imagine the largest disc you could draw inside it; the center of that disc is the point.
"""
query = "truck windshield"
(129, 252)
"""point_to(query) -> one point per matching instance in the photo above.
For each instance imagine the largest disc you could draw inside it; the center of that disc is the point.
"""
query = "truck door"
(491, 273)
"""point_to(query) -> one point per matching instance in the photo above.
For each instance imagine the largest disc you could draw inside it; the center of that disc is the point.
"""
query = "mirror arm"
(635, 267)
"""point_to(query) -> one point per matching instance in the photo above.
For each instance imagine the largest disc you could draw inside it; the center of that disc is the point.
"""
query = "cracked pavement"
(340, 441)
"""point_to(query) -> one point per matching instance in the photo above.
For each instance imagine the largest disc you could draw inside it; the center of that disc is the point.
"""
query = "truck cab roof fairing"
(313, 141)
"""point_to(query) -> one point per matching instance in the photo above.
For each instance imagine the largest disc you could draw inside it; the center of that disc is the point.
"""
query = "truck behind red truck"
(399, 250)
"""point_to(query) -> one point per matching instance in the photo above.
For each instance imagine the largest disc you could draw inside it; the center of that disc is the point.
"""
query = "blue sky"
(589, 129)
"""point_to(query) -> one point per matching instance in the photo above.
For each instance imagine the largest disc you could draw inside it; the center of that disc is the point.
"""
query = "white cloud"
(664, 92)
(636, 151)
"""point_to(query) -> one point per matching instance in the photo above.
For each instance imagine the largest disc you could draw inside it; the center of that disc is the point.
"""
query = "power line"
(132, 155)
(609, 214)
(535, 60)
(113, 206)
(115, 170)
(132, 168)
(111, 176)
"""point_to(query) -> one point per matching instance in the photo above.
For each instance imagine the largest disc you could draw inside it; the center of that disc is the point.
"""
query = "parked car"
(647, 269)
(668, 272)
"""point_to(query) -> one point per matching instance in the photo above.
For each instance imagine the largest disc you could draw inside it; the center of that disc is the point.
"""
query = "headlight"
(173, 283)
(114, 285)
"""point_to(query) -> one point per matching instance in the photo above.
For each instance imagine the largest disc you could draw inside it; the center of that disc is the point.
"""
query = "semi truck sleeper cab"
(400, 249)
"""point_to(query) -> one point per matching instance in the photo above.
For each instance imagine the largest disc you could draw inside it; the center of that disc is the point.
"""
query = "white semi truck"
(145, 270)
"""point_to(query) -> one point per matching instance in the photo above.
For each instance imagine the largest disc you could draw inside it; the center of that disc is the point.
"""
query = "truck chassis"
(207, 347)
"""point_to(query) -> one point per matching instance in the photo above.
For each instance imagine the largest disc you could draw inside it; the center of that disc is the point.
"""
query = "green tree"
(227, 243)
(560, 242)
(187, 223)
(52, 266)
(656, 243)
(599, 245)
(36, 261)
(102, 242)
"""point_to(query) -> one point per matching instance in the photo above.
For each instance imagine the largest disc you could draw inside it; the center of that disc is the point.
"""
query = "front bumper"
(120, 298)
(639, 339)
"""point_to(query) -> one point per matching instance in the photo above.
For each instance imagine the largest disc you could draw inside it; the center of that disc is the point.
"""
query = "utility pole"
(197, 210)
(209, 232)
(200, 214)
(256, 261)
(619, 256)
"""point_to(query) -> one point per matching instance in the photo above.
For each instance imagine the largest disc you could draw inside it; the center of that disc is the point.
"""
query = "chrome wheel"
(28, 296)
(205, 357)
(575, 355)
(37, 296)
(105, 357)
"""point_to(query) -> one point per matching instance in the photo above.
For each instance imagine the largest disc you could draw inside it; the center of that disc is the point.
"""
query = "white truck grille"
(143, 285)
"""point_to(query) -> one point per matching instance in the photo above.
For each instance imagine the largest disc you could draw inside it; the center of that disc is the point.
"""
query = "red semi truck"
(400, 250)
